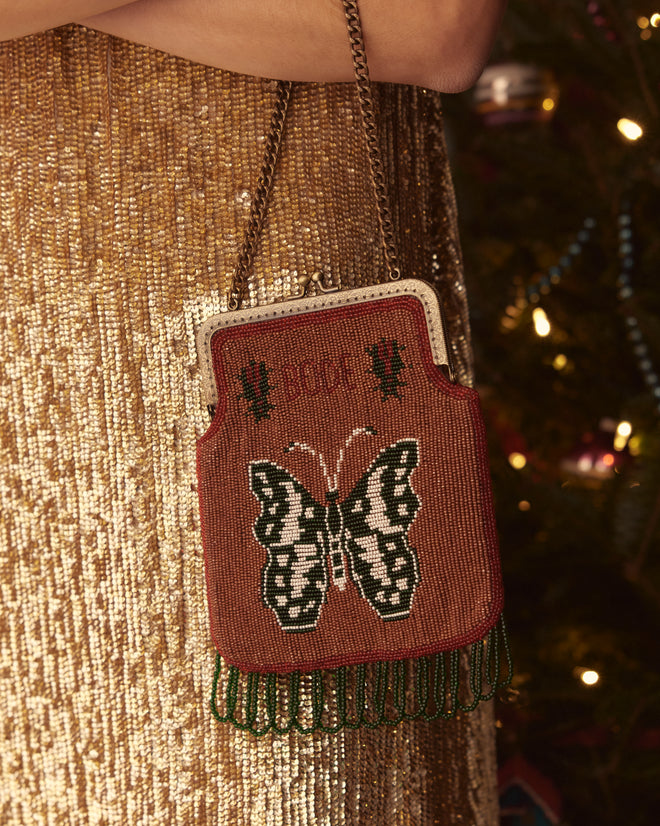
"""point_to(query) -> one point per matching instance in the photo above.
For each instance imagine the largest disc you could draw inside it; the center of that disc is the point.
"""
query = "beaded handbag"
(351, 552)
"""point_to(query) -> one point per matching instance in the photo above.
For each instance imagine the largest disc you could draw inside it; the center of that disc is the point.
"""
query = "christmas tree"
(556, 154)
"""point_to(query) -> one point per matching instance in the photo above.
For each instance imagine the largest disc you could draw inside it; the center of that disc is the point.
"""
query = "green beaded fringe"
(367, 696)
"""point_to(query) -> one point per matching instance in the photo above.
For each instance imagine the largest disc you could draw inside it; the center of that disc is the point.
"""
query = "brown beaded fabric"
(125, 182)
(346, 518)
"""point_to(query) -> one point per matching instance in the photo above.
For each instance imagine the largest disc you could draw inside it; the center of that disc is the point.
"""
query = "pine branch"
(627, 29)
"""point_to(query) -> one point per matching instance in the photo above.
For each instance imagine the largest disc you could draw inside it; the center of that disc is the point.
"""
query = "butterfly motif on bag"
(308, 543)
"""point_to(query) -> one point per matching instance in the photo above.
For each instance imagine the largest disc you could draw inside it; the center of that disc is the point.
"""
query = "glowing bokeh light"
(589, 677)
(635, 445)
(623, 431)
(624, 428)
(585, 463)
(629, 129)
(620, 442)
(517, 460)
(560, 361)
(541, 323)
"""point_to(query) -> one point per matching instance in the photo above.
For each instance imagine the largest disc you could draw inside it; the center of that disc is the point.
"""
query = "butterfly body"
(335, 525)
(308, 543)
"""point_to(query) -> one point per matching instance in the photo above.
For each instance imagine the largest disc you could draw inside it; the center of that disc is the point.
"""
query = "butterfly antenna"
(301, 446)
(359, 431)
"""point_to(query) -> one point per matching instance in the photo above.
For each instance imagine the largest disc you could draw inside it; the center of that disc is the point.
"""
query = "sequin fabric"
(125, 182)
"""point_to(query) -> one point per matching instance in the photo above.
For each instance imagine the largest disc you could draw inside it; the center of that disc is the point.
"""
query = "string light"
(541, 323)
(630, 129)
(560, 361)
(517, 460)
(587, 675)
(624, 429)
(644, 23)
(623, 432)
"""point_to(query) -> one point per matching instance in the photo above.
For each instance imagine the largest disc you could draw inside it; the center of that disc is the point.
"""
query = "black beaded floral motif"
(387, 364)
(256, 388)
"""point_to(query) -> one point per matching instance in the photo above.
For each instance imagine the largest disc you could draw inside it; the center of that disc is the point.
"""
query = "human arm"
(440, 44)
(21, 17)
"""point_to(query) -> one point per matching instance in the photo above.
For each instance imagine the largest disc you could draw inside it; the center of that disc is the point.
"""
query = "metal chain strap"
(260, 200)
(259, 205)
(371, 135)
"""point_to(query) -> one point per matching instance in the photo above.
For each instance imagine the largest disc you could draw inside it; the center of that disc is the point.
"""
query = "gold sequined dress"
(125, 183)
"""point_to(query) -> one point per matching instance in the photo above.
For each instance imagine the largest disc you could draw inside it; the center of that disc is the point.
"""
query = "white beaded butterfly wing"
(376, 517)
(304, 539)
(291, 527)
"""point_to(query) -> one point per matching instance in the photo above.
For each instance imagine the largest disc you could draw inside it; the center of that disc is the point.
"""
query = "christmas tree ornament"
(346, 508)
(598, 456)
(509, 93)
(526, 795)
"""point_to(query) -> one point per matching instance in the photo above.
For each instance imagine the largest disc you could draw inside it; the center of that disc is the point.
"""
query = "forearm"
(437, 43)
(21, 17)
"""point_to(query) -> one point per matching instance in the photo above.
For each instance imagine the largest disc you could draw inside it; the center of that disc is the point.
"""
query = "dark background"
(561, 212)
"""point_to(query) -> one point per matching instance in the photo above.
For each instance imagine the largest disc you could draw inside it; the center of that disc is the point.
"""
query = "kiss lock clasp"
(316, 278)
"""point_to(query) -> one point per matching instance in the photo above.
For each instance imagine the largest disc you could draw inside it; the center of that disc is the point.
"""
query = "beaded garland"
(545, 282)
(625, 293)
